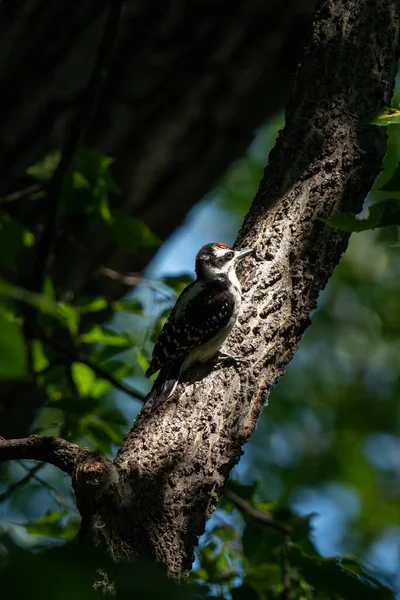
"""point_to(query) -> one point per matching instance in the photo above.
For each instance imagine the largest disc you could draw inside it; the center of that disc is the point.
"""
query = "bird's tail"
(165, 384)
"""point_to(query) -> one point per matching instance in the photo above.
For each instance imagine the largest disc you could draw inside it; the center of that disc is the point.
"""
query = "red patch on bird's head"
(222, 245)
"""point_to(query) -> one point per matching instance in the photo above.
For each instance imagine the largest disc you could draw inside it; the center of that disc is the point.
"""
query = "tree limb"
(93, 476)
(261, 516)
(52, 450)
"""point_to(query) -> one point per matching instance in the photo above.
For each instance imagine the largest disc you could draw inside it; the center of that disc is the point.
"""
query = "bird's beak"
(242, 253)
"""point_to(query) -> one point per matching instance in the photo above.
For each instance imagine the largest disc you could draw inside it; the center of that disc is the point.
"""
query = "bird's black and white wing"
(199, 315)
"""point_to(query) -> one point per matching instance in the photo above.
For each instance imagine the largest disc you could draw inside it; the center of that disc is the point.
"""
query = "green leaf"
(79, 181)
(40, 360)
(100, 388)
(142, 360)
(131, 306)
(51, 526)
(13, 239)
(87, 186)
(93, 164)
(44, 169)
(102, 335)
(328, 575)
(104, 209)
(131, 233)
(83, 377)
(13, 356)
(260, 545)
(101, 431)
(96, 305)
(63, 312)
(28, 239)
(381, 214)
(49, 289)
(385, 116)
(117, 368)
(265, 576)
(393, 185)
(69, 316)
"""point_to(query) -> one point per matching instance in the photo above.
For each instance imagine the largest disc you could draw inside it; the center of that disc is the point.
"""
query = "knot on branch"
(94, 474)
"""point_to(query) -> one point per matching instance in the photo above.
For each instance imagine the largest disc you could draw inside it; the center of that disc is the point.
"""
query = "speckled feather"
(206, 314)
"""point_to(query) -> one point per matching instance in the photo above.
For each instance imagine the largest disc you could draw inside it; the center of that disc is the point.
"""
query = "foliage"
(385, 211)
(385, 116)
(70, 570)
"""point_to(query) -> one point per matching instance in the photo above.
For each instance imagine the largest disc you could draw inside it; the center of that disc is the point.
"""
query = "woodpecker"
(201, 319)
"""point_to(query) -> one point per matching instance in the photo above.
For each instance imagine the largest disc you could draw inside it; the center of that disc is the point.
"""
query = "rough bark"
(176, 459)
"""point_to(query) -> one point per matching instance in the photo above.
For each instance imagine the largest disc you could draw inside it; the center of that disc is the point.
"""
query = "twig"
(59, 498)
(30, 474)
(259, 515)
(265, 519)
(52, 450)
(13, 196)
(130, 279)
(76, 356)
(90, 99)
(126, 279)
(120, 385)
(286, 591)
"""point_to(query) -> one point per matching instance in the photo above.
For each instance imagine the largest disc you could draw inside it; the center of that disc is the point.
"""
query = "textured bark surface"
(169, 473)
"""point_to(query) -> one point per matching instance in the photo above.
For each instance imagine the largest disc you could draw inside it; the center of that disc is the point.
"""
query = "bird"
(201, 320)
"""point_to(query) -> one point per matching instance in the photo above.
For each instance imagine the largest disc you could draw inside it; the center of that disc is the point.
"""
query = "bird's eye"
(229, 254)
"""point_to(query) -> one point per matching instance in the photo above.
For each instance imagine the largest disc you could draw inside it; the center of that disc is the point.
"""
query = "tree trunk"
(177, 459)
(168, 475)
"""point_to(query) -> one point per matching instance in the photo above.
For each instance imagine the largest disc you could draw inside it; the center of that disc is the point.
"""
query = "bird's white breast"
(210, 348)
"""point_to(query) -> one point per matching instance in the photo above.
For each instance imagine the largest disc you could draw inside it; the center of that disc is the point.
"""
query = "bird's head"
(214, 261)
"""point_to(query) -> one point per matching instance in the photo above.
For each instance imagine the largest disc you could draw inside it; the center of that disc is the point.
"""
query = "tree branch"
(20, 194)
(78, 356)
(56, 494)
(52, 450)
(286, 583)
(21, 482)
(261, 516)
(92, 475)
(117, 383)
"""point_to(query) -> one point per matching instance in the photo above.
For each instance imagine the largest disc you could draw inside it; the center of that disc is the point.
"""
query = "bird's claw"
(236, 360)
